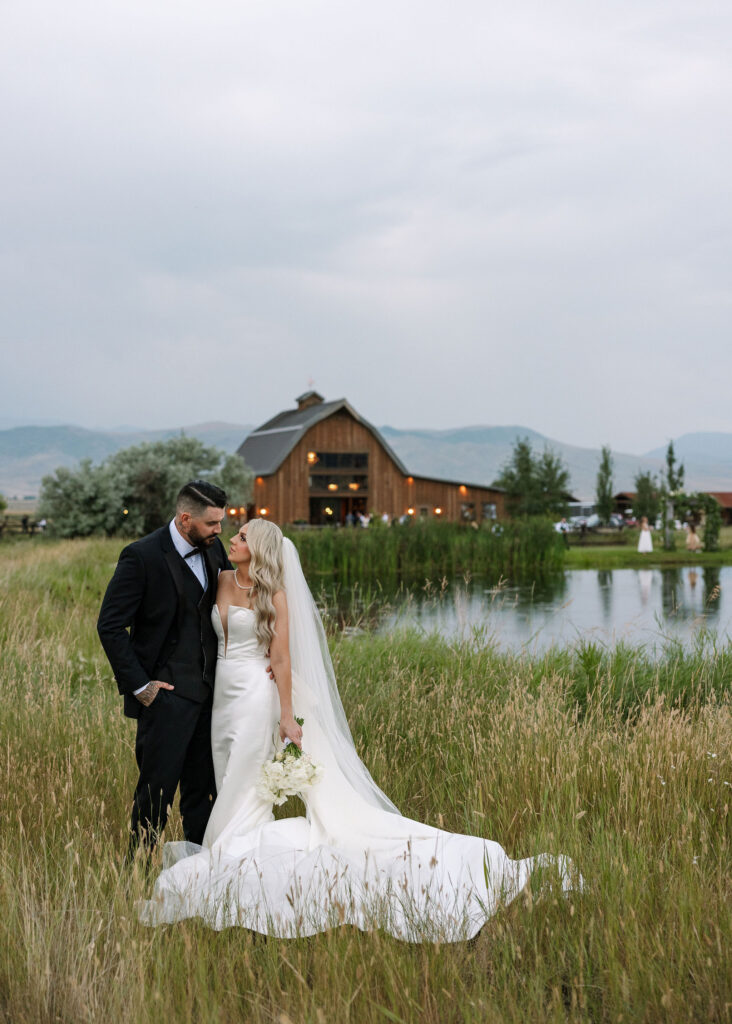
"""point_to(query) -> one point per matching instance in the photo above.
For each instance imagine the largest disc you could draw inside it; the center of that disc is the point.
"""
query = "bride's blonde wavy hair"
(266, 573)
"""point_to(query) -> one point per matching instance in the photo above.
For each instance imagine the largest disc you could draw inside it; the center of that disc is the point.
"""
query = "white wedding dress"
(346, 862)
(349, 861)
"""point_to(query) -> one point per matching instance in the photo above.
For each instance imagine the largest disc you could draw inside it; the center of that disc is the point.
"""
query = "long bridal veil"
(312, 669)
(353, 859)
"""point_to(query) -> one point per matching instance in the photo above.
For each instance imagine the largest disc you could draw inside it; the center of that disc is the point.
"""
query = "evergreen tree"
(673, 485)
(647, 501)
(604, 490)
(534, 485)
(674, 476)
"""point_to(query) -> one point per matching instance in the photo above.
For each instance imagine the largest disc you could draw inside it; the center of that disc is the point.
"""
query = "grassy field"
(617, 761)
(618, 551)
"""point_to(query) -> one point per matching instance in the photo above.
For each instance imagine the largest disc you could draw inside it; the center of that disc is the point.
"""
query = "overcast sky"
(449, 213)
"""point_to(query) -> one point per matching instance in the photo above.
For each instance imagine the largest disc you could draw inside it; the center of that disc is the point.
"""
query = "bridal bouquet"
(288, 773)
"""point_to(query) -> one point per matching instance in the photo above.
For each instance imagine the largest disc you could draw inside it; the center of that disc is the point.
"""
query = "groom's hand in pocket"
(148, 695)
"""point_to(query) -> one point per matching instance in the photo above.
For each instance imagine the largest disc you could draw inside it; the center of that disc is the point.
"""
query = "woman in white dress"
(645, 544)
(354, 858)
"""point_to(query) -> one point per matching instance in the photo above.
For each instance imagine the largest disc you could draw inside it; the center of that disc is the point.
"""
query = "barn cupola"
(309, 398)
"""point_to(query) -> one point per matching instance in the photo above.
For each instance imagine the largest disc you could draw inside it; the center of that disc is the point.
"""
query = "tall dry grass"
(619, 762)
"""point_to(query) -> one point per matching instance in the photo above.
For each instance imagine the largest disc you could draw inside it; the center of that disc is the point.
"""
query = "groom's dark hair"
(197, 496)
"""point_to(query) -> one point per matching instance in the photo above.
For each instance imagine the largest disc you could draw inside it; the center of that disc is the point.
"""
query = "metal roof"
(267, 447)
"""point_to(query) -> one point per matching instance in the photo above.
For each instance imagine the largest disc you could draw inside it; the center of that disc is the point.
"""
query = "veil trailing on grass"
(353, 859)
(312, 666)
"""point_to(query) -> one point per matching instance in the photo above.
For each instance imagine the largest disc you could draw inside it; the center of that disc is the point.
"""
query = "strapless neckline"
(227, 632)
(241, 608)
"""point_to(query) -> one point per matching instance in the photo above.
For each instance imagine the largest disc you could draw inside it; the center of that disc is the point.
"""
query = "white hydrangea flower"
(288, 774)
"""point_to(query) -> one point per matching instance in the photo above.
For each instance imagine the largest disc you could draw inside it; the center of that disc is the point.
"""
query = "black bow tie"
(192, 552)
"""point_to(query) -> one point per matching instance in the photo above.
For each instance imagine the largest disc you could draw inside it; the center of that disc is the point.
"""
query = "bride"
(354, 858)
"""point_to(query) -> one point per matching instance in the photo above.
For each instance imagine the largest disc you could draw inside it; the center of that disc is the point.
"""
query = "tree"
(674, 476)
(80, 502)
(133, 491)
(672, 485)
(518, 479)
(534, 485)
(236, 479)
(604, 490)
(647, 501)
(694, 508)
(553, 482)
(151, 475)
(3, 503)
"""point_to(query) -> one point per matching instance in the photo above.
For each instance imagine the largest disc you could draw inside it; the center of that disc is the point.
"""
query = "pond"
(640, 607)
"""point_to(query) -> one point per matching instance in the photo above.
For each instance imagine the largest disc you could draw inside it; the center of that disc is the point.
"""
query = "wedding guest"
(693, 542)
(645, 544)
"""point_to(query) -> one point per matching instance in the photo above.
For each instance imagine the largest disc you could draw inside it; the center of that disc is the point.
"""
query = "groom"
(163, 591)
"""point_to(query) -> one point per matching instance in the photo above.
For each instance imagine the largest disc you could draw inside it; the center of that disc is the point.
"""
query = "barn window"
(342, 460)
(489, 510)
(339, 487)
(334, 481)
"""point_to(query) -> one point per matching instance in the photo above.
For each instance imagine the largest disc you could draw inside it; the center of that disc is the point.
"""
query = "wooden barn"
(322, 462)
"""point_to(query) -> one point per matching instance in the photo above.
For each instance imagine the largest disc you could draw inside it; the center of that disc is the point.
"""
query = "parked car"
(678, 525)
(585, 522)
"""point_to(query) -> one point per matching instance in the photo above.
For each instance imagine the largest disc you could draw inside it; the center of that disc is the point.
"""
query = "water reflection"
(669, 591)
(605, 585)
(712, 589)
(636, 606)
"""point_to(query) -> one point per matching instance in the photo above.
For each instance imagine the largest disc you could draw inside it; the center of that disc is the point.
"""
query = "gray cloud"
(449, 213)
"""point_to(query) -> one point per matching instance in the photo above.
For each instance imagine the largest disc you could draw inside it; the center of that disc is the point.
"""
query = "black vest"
(192, 661)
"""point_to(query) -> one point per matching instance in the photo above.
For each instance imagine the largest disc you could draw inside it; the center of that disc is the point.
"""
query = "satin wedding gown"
(348, 861)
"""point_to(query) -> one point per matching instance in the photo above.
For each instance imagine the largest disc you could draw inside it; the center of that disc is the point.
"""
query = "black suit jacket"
(144, 596)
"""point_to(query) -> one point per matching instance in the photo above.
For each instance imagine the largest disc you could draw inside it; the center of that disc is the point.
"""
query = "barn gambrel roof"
(267, 447)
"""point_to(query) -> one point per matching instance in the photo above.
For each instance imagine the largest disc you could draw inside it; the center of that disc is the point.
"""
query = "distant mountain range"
(477, 454)
(27, 454)
(472, 454)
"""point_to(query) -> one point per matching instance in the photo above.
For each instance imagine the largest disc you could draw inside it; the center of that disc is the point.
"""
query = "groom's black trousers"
(173, 746)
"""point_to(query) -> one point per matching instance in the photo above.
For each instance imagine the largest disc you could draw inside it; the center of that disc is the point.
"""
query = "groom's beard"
(200, 540)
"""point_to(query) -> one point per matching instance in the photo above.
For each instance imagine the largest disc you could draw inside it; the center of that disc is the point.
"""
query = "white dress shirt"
(194, 563)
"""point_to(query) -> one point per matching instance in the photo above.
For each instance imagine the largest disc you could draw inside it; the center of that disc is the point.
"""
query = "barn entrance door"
(332, 511)
(354, 506)
(325, 511)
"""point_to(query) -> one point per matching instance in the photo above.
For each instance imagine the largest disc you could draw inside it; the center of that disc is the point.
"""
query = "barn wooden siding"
(286, 493)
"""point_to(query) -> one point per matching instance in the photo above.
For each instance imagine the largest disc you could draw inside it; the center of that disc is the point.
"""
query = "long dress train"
(347, 861)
